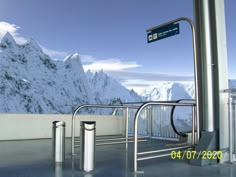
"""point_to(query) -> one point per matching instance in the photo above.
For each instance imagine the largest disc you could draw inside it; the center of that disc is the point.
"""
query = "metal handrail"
(195, 57)
(142, 102)
(97, 106)
(153, 103)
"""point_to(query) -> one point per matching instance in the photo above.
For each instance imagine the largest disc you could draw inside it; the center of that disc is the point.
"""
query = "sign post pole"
(166, 30)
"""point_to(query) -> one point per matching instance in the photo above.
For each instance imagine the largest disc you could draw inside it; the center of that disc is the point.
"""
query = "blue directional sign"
(162, 32)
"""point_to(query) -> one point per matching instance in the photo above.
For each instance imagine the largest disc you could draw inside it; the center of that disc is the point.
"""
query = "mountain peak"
(33, 44)
(75, 59)
(72, 57)
(8, 40)
(75, 56)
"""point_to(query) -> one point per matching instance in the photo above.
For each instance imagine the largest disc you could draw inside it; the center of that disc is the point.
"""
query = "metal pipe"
(230, 129)
(113, 139)
(136, 124)
(94, 106)
(160, 122)
(193, 126)
(121, 142)
(197, 126)
(73, 129)
(233, 125)
(230, 116)
(153, 157)
(206, 31)
(136, 137)
(73, 134)
(151, 117)
(105, 136)
(196, 72)
(91, 106)
(171, 101)
(162, 150)
(127, 127)
(147, 118)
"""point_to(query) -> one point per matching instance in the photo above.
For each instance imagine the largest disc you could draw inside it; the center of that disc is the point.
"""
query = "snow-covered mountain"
(171, 91)
(163, 91)
(166, 91)
(32, 82)
(106, 88)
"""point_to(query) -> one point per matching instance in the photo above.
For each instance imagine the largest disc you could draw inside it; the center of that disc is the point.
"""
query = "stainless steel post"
(58, 170)
(150, 133)
(193, 125)
(209, 17)
(197, 126)
(137, 114)
(127, 127)
(233, 120)
(58, 138)
(230, 129)
(87, 147)
(195, 57)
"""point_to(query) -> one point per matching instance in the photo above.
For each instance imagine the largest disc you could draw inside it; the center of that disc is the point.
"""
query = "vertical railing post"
(149, 121)
(193, 125)
(135, 143)
(126, 127)
(73, 134)
(233, 125)
(197, 125)
(195, 58)
(230, 128)
(233, 120)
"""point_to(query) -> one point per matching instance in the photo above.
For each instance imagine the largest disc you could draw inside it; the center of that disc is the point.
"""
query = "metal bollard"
(87, 145)
(58, 141)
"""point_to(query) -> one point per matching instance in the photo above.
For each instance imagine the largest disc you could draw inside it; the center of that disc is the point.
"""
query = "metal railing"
(155, 122)
(195, 57)
(77, 110)
(137, 115)
(183, 134)
(232, 123)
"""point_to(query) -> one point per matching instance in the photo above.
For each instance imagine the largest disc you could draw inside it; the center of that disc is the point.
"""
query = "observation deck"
(33, 158)
(26, 144)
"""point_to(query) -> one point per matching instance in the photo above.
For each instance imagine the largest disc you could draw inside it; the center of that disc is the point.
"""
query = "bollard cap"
(88, 122)
(58, 123)
(88, 125)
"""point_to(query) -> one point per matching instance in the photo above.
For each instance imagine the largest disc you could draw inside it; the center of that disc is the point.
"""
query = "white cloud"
(13, 29)
(110, 65)
(87, 58)
(122, 72)
(139, 81)
(145, 76)
(54, 54)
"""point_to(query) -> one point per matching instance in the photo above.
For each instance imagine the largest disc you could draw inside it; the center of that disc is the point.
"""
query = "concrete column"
(207, 65)
(212, 53)
(220, 55)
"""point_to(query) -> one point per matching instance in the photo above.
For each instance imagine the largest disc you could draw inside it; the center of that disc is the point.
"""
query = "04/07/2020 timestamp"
(189, 154)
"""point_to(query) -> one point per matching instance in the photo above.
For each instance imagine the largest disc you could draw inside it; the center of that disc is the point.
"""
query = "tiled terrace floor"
(32, 158)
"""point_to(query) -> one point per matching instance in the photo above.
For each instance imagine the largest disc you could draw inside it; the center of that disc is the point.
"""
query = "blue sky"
(110, 35)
